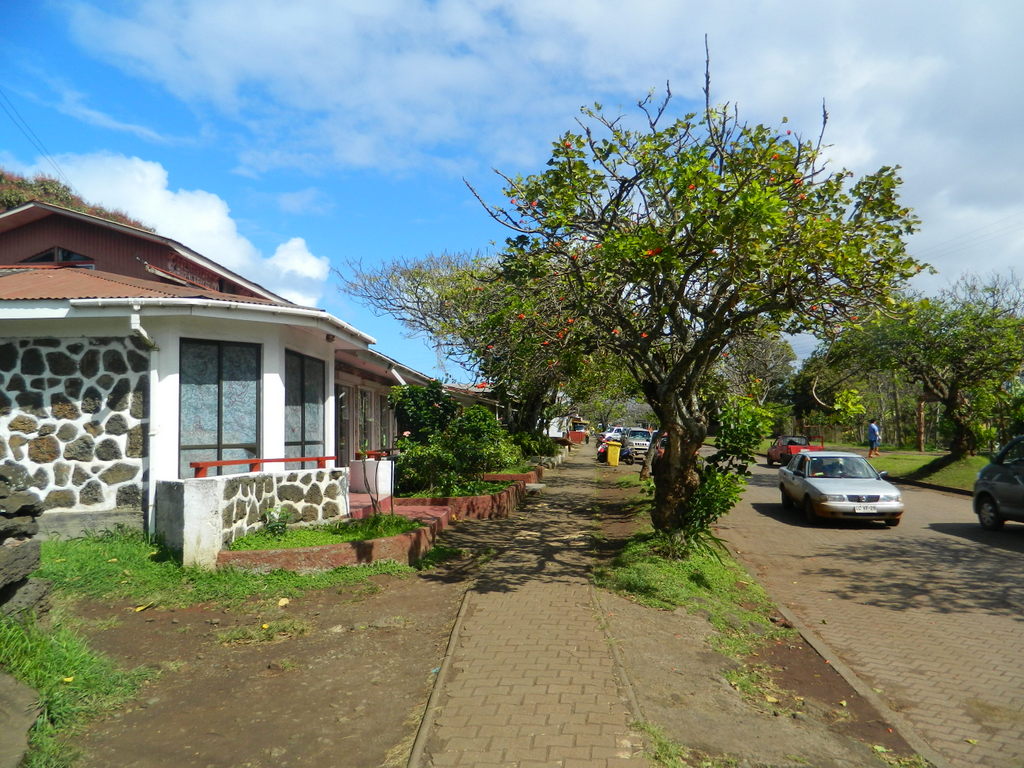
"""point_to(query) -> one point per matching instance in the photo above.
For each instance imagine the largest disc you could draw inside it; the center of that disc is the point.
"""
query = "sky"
(288, 140)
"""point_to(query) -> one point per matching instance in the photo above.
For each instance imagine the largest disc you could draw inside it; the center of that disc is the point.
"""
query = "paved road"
(930, 614)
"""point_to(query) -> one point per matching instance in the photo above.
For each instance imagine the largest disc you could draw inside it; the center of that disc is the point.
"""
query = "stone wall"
(197, 517)
(19, 546)
(73, 421)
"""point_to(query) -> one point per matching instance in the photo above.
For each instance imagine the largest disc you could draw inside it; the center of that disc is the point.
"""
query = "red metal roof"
(44, 282)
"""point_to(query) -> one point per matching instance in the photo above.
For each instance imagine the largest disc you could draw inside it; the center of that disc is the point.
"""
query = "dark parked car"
(999, 489)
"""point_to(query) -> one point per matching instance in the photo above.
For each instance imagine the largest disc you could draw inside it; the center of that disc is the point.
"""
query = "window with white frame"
(219, 413)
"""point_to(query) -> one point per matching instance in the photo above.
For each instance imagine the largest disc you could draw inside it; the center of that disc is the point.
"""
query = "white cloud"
(294, 258)
(198, 219)
(401, 83)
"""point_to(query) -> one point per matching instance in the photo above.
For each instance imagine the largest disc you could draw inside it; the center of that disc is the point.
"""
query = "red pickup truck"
(787, 446)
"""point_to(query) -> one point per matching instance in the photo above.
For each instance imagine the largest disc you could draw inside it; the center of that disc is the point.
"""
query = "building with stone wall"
(111, 382)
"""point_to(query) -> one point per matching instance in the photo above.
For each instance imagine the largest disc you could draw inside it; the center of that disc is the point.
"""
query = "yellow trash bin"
(613, 453)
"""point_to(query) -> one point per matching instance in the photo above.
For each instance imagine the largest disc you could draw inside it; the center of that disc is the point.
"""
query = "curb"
(930, 486)
(427, 721)
(620, 666)
(901, 723)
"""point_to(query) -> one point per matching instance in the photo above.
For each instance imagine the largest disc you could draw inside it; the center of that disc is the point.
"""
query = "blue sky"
(284, 139)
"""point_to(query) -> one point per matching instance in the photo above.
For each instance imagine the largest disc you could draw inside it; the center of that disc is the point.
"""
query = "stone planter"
(436, 514)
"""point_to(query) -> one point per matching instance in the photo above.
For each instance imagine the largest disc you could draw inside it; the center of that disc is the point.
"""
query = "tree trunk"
(676, 479)
(921, 424)
(963, 442)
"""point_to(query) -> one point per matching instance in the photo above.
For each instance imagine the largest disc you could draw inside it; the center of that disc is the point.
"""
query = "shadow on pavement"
(1011, 538)
(936, 574)
(551, 538)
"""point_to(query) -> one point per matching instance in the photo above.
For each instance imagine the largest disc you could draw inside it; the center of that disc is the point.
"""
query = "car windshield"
(794, 440)
(841, 466)
(642, 434)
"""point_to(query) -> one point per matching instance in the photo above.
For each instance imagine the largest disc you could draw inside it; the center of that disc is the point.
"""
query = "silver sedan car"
(838, 485)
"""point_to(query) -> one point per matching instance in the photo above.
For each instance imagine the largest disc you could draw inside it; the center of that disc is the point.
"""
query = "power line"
(22, 125)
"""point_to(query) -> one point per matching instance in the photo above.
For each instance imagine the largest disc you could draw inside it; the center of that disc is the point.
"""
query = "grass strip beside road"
(702, 582)
(124, 564)
(927, 468)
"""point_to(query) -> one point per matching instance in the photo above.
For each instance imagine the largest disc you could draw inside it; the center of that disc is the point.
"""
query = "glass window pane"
(344, 417)
(292, 397)
(365, 417)
(313, 401)
(199, 390)
(238, 453)
(240, 394)
(197, 454)
(385, 421)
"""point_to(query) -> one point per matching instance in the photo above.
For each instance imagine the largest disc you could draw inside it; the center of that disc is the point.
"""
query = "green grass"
(73, 683)
(735, 605)
(124, 564)
(928, 468)
(373, 527)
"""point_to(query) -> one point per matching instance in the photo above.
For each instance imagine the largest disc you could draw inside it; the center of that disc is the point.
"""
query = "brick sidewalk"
(531, 679)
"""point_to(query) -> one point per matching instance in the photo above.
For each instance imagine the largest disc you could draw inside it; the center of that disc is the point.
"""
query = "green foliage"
(275, 522)
(422, 411)
(373, 527)
(849, 407)
(472, 444)
(125, 564)
(534, 445)
(74, 683)
(426, 468)
(461, 487)
(961, 347)
(742, 426)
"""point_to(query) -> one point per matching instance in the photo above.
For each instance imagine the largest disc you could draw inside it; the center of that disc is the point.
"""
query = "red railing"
(200, 467)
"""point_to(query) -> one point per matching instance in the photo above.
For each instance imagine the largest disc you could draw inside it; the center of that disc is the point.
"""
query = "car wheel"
(988, 513)
(787, 503)
(892, 522)
(810, 516)
(770, 462)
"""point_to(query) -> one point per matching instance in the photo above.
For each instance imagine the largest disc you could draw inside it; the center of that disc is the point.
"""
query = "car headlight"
(831, 497)
(889, 497)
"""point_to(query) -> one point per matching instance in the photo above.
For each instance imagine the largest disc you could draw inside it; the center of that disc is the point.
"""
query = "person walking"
(874, 438)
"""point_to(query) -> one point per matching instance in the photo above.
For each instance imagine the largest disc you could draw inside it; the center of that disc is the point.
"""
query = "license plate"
(864, 509)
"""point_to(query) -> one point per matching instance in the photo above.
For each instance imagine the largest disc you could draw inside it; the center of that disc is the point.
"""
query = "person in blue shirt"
(874, 438)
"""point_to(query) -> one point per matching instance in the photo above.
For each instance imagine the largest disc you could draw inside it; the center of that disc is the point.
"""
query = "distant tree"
(679, 239)
(520, 344)
(963, 347)
(759, 366)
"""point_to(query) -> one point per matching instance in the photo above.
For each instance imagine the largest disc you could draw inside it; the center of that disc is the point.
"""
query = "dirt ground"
(351, 689)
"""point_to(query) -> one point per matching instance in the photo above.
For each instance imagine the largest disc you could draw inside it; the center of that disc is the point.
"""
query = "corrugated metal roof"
(35, 210)
(46, 283)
